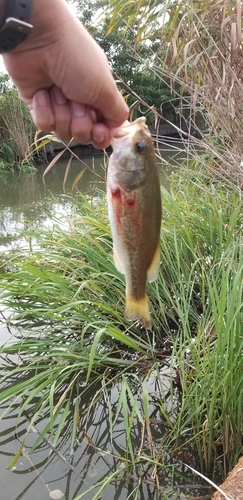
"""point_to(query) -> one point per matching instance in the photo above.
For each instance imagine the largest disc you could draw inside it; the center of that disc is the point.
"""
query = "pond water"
(24, 201)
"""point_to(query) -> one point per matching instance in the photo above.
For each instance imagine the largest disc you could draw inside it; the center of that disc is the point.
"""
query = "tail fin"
(138, 310)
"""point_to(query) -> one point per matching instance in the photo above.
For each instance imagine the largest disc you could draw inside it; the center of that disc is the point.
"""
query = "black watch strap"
(16, 24)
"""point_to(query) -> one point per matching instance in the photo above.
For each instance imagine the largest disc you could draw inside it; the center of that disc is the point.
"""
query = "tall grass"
(68, 300)
(202, 277)
(16, 130)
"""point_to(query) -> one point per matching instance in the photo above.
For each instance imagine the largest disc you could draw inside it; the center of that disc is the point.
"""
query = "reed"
(16, 131)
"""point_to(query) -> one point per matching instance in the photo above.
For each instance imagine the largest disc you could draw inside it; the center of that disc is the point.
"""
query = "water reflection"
(94, 456)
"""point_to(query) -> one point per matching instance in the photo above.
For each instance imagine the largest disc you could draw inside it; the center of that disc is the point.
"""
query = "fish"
(135, 212)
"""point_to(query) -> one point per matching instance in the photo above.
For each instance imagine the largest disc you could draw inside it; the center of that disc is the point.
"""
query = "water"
(25, 202)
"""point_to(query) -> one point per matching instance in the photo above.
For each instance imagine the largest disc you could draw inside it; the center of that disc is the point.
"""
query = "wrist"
(48, 19)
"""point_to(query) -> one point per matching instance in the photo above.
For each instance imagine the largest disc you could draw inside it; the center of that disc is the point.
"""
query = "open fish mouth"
(130, 128)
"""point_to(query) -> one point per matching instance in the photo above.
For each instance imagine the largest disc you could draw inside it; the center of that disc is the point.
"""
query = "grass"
(68, 302)
(16, 132)
(206, 305)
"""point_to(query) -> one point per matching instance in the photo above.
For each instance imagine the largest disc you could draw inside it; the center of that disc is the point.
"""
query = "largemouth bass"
(134, 205)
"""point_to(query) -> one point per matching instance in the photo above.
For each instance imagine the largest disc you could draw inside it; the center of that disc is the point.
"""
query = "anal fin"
(153, 270)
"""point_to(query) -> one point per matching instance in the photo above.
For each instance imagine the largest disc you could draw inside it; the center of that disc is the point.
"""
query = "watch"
(16, 25)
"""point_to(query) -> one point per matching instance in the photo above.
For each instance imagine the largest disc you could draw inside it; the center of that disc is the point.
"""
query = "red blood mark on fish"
(129, 201)
(122, 203)
(116, 202)
(116, 195)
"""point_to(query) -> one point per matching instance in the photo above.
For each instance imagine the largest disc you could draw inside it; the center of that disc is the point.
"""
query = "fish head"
(132, 147)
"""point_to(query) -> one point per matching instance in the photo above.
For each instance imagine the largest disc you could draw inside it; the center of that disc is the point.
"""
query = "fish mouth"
(128, 128)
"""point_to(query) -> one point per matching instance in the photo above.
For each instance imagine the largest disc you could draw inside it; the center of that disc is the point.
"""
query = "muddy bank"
(233, 485)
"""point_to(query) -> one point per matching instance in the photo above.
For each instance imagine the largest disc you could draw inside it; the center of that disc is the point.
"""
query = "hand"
(64, 78)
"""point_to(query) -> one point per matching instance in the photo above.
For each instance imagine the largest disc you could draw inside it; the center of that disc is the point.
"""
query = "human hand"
(64, 78)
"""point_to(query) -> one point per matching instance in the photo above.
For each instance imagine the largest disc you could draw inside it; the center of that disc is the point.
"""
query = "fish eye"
(139, 147)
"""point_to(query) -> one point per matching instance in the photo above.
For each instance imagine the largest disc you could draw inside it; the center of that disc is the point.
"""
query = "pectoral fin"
(153, 270)
(117, 261)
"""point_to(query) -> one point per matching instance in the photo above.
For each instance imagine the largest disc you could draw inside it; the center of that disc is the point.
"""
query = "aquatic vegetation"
(16, 129)
(67, 300)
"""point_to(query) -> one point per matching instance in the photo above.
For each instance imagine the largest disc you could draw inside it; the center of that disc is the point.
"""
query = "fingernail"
(42, 98)
(99, 138)
(79, 110)
(59, 97)
(93, 115)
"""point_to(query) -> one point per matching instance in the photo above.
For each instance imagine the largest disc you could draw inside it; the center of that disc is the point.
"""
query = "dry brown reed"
(205, 52)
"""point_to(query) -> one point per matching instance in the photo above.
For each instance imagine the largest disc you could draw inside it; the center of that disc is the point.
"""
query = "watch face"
(16, 26)
(12, 33)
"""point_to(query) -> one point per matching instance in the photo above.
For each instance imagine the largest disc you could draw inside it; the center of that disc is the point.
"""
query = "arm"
(63, 76)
